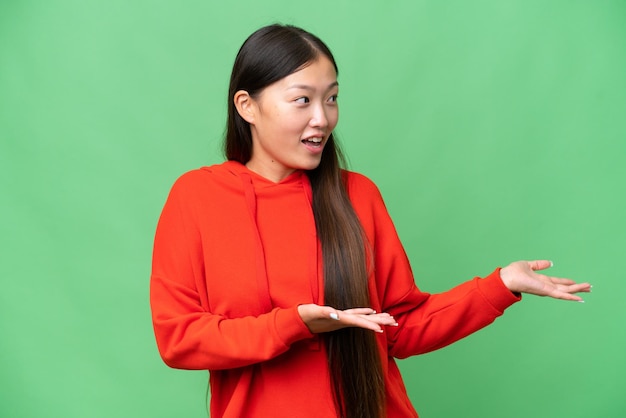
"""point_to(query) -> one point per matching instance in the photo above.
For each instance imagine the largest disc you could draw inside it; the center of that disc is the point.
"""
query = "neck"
(270, 171)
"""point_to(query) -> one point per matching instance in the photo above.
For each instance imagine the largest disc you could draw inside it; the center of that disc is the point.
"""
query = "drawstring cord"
(262, 281)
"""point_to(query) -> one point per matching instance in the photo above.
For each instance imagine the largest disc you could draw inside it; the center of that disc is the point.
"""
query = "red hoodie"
(235, 254)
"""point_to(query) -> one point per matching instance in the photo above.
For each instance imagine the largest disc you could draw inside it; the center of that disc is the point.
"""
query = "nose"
(319, 118)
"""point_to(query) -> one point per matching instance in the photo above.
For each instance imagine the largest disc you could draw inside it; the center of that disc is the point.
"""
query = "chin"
(311, 165)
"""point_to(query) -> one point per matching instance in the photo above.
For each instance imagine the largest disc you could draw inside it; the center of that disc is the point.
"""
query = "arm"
(435, 321)
(428, 322)
(447, 317)
(188, 334)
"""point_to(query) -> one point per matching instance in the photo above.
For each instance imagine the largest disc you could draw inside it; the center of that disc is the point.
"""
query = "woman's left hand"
(521, 277)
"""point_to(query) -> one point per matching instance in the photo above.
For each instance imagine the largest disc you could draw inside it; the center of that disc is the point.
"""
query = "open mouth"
(312, 142)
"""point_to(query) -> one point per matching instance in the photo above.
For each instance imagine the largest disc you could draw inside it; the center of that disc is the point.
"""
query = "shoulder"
(367, 202)
(364, 194)
(203, 176)
(188, 183)
(361, 186)
(201, 183)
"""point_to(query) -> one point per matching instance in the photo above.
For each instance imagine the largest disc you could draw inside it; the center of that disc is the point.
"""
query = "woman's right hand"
(325, 318)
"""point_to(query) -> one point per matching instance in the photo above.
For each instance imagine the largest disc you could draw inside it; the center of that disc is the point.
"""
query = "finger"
(574, 288)
(381, 319)
(357, 317)
(369, 314)
(540, 264)
(360, 311)
(368, 319)
(564, 284)
(566, 296)
(554, 280)
(359, 321)
(568, 292)
(563, 295)
(559, 280)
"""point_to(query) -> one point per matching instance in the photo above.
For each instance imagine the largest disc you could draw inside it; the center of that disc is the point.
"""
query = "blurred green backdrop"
(496, 131)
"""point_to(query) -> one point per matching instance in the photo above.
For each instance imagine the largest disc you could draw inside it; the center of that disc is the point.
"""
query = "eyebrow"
(306, 87)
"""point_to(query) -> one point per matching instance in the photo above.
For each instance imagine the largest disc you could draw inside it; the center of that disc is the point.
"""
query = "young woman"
(283, 275)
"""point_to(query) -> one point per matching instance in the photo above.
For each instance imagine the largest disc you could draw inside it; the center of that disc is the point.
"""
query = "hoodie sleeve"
(426, 321)
(188, 335)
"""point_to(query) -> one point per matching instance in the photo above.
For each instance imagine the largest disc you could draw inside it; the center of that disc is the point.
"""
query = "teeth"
(316, 140)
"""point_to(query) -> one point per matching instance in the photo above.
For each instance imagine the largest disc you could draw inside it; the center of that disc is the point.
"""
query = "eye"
(333, 98)
(302, 100)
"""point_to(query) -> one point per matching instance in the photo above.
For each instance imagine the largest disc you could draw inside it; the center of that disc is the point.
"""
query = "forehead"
(319, 73)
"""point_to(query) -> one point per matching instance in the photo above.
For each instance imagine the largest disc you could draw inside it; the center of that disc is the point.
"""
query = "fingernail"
(581, 301)
(334, 316)
(394, 325)
(551, 263)
(379, 331)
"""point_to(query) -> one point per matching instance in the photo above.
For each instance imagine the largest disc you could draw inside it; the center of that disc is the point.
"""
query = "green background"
(496, 131)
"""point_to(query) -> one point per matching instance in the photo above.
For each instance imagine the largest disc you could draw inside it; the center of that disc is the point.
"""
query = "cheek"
(295, 121)
(333, 118)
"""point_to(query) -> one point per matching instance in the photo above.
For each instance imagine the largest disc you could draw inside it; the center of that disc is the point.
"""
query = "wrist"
(505, 276)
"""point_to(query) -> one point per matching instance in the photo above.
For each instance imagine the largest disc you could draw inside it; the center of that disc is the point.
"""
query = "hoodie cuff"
(290, 327)
(497, 294)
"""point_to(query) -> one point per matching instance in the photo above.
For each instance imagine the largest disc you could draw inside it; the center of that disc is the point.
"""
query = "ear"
(245, 106)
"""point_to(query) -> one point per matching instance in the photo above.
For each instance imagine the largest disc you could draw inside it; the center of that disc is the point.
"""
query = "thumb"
(540, 264)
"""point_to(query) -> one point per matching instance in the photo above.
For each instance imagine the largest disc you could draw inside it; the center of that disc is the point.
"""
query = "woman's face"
(291, 120)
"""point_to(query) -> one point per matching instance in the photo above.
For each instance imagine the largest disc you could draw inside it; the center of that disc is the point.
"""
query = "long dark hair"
(268, 55)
